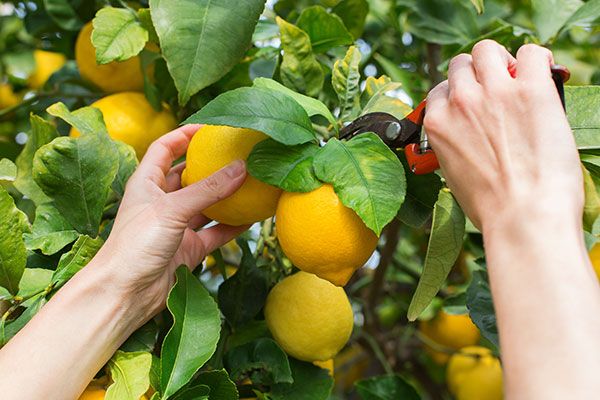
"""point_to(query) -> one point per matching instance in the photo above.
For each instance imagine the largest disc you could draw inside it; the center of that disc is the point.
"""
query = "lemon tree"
(357, 278)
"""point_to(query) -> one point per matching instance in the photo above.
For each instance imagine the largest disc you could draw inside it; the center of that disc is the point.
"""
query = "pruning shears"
(408, 133)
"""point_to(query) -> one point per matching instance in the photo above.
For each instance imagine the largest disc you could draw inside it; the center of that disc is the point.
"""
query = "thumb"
(195, 198)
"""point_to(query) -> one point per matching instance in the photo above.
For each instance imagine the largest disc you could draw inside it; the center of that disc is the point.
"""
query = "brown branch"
(434, 58)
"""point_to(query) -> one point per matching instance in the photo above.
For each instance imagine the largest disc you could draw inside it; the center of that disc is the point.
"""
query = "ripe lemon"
(595, 258)
(310, 318)
(474, 373)
(130, 118)
(322, 236)
(8, 98)
(46, 63)
(116, 76)
(451, 331)
(212, 148)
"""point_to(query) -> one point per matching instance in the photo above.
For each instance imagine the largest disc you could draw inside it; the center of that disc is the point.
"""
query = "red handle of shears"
(423, 160)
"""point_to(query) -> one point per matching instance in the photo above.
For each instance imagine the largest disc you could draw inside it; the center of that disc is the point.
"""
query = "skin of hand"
(127, 282)
(508, 155)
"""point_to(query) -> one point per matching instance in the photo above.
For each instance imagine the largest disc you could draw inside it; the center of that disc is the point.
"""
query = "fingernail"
(236, 168)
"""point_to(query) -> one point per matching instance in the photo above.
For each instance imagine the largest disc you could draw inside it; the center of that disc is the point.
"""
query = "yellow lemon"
(8, 98)
(310, 318)
(328, 365)
(322, 236)
(212, 148)
(595, 258)
(46, 63)
(474, 373)
(451, 331)
(113, 77)
(130, 118)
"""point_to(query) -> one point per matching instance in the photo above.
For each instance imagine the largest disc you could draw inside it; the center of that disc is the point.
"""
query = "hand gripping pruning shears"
(408, 133)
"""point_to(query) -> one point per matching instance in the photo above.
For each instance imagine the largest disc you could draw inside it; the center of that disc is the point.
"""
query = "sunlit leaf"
(478, 6)
(50, 231)
(117, 35)
(445, 243)
(9, 329)
(585, 15)
(129, 372)
(325, 30)
(550, 15)
(13, 255)
(128, 162)
(591, 208)
(82, 252)
(345, 80)
(583, 113)
(8, 170)
(85, 120)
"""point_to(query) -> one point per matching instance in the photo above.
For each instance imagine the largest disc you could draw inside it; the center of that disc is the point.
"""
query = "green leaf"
(128, 162)
(591, 208)
(478, 6)
(13, 255)
(271, 112)
(155, 374)
(203, 40)
(591, 163)
(325, 30)
(299, 69)
(261, 360)
(42, 132)
(550, 15)
(130, 374)
(82, 252)
(200, 392)
(34, 281)
(481, 306)
(421, 195)
(375, 87)
(441, 21)
(585, 15)
(310, 105)
(244, 334)
(583, 113)
(146, 21)
(345, 79)
(243, 295)
(310, 382)
(445, 243)
(117, 35)
(366, 175)
(456, 305)
(386, 387)
(50, 231)
(5, 294)
(76, 174)
(354, 14)
(287, 167)
(63, 14)
(143, 339)
(85, 120)
(9, 329)
(193, 338)
(221, 387)
(8, 170)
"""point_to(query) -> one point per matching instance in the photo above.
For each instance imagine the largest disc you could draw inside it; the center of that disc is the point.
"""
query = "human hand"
(504, 144)
(154, 231)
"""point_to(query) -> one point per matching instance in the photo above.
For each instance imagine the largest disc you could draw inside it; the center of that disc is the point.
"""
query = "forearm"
(61, 349)
(547, 302)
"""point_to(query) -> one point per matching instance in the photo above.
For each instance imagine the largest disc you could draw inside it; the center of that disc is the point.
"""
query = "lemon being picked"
(322, 236)
(474, 373)
(310, 318)
(115, 76)
(595, 259)
(450, 331)
(212, 148)
(46, 63)
(130, 118)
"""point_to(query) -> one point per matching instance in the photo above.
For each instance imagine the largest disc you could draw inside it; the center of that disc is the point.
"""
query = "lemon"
(474, 373)
(130, 118)
(8, 98)
(595, 258)
(46, 63)
(310, 318)
(322, 236)
(450, 331)
(113, 77)
(212, 148)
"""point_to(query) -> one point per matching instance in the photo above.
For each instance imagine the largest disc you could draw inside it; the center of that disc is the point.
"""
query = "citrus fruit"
(310, 318)
(328, 365)
(8, 98)
(212, 148)
(474, 373)
(595, 258)
(450, 331)
(130, 118)
(116, 76)
(322, 236)
(46, 63)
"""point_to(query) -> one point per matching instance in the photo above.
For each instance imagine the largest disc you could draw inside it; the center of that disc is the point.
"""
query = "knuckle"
(434, 122)
(212, 188)
(485, 45)
(531, 49)
(461, 58)
(462, 98)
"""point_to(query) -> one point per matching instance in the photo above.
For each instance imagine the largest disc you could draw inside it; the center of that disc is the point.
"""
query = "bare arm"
(509, 156)
(61, 349)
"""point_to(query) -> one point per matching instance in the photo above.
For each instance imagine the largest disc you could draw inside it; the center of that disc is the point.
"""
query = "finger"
(492, 63)
(190, 201)
(173, 178)
(198, 221)
(216, 236)
(533, 63)
(461, 73)
(437, 97)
